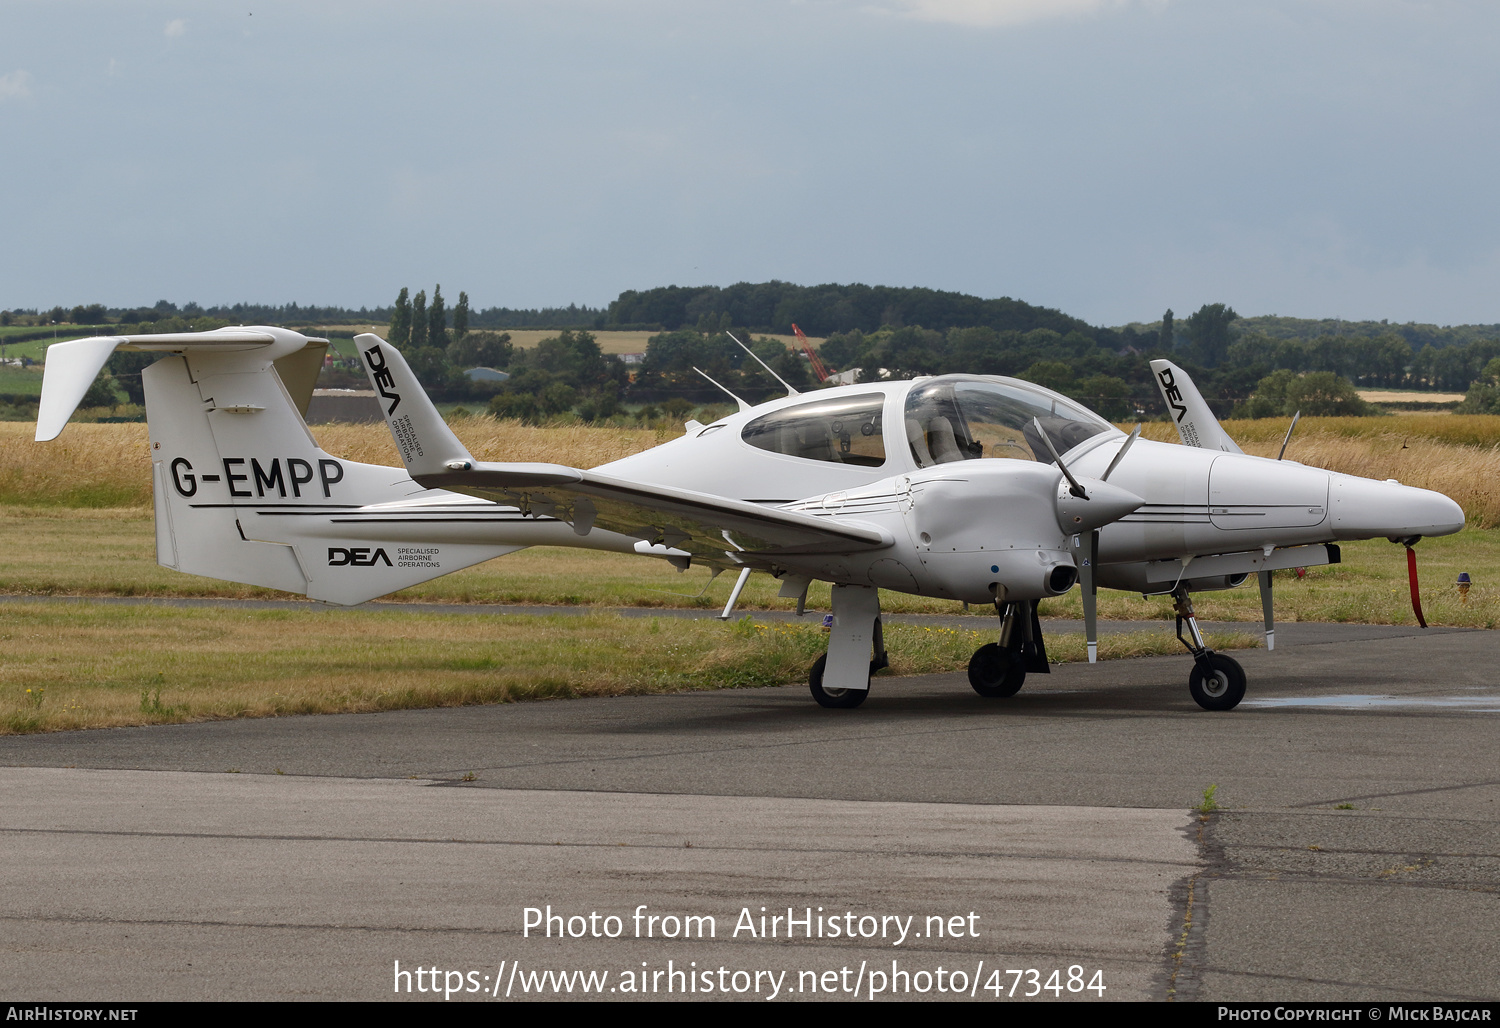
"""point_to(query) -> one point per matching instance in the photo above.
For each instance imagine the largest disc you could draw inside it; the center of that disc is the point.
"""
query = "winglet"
(428, 446)
(1196, 424)
(70, 369)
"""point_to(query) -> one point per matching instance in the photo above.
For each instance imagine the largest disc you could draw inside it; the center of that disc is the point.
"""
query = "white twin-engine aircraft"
(965, 487)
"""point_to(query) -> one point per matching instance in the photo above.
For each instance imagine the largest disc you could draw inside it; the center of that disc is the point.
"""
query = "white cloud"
(15, 86)
(992, 13)
(176, 28)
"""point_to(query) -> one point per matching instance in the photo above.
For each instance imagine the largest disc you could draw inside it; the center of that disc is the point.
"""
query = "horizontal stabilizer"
(71, 367)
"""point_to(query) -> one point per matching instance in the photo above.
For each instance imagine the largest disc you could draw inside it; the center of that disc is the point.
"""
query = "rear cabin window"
(846, 430)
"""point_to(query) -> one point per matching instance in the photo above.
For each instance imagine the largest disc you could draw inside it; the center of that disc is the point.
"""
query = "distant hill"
(292, 314)
(1416, 334)
(767, 307)
(824, 310)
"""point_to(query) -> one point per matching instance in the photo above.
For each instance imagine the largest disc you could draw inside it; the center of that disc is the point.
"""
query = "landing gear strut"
(999, 670)
(1217, 681)
(856, 636)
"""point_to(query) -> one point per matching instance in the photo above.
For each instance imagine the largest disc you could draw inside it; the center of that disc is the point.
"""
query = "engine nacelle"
(988, 527)
(972, 530)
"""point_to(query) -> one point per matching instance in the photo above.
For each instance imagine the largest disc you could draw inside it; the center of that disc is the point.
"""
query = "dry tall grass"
(579, 446)
(109, 465)
(89, 466)
(93, 465)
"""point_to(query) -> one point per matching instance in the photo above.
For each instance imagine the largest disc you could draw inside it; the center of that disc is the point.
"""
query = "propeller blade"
(1047, 441)
(1266, 609)
(1411, 573)
(1120, 454)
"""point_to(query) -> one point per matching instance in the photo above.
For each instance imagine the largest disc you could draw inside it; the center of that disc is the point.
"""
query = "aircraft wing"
(707, 527)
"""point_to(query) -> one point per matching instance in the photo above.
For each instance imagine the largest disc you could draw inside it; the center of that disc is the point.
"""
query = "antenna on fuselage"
(736, 399)
(789, 390)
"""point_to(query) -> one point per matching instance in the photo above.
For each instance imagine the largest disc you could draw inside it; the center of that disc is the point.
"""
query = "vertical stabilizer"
(242, 490)
(244, 493)
(1196, 424)
(427, 445)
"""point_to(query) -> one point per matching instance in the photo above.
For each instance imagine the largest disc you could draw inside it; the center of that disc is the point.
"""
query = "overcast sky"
(1111, 158)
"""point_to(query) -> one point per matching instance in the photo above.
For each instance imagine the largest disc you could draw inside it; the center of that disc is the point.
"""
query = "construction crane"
(817, 365)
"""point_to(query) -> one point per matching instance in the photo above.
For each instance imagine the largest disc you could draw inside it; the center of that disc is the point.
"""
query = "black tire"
(996, 673)
(836, 698)
(1221, 690)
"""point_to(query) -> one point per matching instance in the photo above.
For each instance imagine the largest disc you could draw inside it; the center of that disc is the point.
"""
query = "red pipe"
(1416, 597)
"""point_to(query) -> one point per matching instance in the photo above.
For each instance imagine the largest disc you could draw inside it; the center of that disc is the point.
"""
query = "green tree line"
(1252, 365)
(827, 309)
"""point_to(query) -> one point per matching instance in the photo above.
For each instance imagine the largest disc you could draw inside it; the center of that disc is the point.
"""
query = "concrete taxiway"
(1357, 855)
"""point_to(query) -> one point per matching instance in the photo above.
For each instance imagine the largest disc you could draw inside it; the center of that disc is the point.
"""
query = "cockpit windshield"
(962, 417)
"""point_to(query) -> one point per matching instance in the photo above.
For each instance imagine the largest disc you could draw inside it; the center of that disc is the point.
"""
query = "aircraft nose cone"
(1363, 508)
(1105, 503)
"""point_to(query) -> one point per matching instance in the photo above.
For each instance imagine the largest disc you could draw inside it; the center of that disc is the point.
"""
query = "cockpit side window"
(846, 430)
(961, 418)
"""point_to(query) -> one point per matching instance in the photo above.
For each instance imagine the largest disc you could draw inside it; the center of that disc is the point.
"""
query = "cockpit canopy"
(965, 417)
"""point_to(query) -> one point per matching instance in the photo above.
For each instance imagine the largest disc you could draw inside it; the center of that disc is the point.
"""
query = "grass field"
(112, 553)
(25, 381)
(629, 342)
(36, 348)
(1407, 396)
(92, 666)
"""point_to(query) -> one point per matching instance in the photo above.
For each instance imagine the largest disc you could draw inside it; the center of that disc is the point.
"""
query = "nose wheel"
(995, 672)
(998, 670)
(1217, 681)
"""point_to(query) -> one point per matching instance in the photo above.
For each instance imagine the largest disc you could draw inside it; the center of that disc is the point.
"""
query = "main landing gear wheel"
(834, 697)
(996, 673)
(1219, 687)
